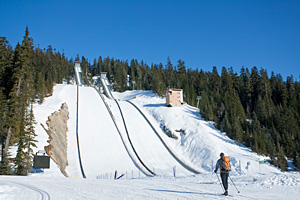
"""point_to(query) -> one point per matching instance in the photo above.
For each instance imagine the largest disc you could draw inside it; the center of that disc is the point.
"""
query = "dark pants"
(224, 177)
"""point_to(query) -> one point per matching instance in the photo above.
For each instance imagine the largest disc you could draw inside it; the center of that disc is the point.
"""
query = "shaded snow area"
(114, 137)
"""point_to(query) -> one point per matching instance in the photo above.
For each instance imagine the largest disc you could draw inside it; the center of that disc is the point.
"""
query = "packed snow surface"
(105, 149)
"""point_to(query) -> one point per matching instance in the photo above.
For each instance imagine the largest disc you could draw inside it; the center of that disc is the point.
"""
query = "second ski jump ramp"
(106, 89)
(102, 150)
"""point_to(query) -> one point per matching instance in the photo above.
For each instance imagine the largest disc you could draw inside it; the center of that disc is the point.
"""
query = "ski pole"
(220, 183)
(234, 185)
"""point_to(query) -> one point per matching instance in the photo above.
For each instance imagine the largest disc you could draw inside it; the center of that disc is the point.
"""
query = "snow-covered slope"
(150, 149)
(102, 152)
(61, 94)
(101, 146)
(202, 143)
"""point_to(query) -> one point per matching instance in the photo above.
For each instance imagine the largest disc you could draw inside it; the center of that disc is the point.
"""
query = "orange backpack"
(225, 163)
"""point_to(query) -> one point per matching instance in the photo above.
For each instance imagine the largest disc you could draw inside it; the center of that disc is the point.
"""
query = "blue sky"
(236, 33)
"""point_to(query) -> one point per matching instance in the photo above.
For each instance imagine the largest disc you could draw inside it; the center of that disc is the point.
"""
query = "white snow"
(103, 151)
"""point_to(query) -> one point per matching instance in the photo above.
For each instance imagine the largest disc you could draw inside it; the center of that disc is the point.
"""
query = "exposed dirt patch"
(57, 131)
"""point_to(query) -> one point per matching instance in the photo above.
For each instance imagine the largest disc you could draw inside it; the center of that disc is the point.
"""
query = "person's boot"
(226, 193)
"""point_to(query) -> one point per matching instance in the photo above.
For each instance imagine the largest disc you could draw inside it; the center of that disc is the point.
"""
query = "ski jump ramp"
(107, 91)
(102, 150)
(78, 71)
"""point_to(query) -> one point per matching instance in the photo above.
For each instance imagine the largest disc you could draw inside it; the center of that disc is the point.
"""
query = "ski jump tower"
(106, 85)
(103, 85)
(78, 72)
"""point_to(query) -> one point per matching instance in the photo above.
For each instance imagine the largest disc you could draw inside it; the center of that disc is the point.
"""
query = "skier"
(224, 165)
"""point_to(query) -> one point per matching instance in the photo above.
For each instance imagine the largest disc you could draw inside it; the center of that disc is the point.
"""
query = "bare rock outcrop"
(57, 131)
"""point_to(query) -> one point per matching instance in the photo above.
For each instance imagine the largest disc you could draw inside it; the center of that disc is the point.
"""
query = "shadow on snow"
(182, 192)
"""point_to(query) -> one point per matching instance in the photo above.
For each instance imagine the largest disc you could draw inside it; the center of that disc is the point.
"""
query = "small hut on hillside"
(174, 97)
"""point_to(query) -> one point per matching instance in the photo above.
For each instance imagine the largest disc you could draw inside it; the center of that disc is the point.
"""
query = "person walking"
(224, 165)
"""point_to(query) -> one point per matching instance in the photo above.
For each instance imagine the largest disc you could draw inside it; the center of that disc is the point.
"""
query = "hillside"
(199, 147)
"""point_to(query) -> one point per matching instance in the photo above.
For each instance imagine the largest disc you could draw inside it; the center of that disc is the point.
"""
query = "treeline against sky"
(255, 109)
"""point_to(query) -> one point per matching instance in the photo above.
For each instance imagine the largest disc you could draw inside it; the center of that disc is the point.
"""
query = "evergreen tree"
(181, 72)
(27, 140)
(255, 79)
(85, 70)
(158, 85)
(22, 85)
(170, 74)
(246, 91)
(133, 73)
(100, 65)
(41, 89)
(95, 68)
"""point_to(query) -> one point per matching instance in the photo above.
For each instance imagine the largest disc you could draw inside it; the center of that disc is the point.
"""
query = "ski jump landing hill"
(126, 143)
